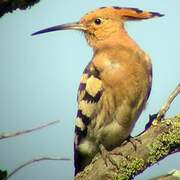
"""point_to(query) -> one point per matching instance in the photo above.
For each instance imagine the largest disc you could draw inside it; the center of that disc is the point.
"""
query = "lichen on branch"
(166, 141)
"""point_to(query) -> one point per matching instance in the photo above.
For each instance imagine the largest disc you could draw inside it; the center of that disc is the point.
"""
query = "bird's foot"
(132, 141)
(107, 156)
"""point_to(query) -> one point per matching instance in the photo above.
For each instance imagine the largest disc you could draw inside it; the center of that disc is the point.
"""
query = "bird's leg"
(104, 153)
(129, 139)
(135, 139)
(107, 156)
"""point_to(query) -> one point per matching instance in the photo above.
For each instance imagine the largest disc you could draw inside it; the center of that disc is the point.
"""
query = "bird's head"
(104, 23)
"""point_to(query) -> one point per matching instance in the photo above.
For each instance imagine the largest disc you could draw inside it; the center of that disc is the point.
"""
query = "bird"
(116, 83)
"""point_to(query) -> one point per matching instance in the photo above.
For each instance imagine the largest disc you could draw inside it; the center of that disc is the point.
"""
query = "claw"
(104, 153)
(106, 156)
(135, 139)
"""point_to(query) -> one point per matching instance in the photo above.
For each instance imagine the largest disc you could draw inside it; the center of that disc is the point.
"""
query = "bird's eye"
(97, 21)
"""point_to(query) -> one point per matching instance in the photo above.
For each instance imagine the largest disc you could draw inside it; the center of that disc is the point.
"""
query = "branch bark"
(158, 141)
(11, 5)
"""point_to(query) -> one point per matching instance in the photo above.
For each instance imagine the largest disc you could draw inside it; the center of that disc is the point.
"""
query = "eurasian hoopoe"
(115, 85)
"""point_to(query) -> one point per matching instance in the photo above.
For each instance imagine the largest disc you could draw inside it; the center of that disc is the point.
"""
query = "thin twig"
(167, 104)
(34, 161)
(174, 174)
(13, 134)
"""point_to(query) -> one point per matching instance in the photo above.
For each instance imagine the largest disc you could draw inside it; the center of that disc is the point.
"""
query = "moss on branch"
(165, 141)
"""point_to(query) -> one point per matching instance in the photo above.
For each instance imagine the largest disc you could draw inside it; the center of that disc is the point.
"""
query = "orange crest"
(123, 13)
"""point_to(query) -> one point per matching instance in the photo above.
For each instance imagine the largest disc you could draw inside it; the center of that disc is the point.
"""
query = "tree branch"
(4, 135)
(167, 104)
(161, 139)
(34, 161)
(11, 5)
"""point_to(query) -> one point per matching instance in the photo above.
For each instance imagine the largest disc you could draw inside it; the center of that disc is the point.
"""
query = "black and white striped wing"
(89, 94)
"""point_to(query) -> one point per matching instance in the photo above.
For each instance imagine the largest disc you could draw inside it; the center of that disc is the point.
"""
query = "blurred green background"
(39, 77)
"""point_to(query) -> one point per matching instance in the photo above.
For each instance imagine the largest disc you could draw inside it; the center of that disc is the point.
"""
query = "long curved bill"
(75, 26)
